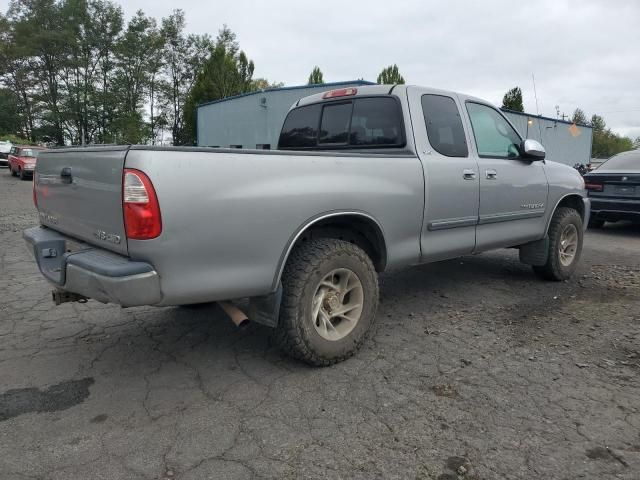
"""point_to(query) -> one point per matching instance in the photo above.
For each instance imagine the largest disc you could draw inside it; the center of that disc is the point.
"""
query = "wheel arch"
(356, 227)
(571, 200)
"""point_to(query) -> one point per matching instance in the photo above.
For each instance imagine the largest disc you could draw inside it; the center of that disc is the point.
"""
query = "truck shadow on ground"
(203, 334)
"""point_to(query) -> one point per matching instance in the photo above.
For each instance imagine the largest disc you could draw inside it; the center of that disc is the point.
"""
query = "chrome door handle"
(491, 174)
(468, 174)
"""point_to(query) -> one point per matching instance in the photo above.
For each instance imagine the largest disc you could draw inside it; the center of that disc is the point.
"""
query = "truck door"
(450, 175)
(513, 190)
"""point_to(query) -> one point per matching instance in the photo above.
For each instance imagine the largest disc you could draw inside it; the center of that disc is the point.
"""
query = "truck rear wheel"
(565, 245)
(329, 302)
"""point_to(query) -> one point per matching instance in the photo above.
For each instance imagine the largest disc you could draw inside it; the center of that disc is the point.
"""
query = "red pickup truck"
(22, 160)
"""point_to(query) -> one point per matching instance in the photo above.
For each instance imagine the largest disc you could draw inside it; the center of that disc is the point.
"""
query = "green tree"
(132, 53)
(605, 142)
(109, 23)
(80, 70)
(316, 78)
(16, 74)
(184, 57)
(44, 34)
(512, 100)
(264, 84)
(579, 117)
(225, 73)
(390, 76)
(11, 121)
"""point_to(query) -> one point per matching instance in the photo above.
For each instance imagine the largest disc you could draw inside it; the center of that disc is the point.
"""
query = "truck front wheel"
(329, 302)
(565, 245)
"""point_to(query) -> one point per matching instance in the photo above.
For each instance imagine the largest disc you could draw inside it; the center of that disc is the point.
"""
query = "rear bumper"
(92, 272)
(615, 208)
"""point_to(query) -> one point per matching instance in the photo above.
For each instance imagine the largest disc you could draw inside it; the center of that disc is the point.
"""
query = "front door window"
(495, 138)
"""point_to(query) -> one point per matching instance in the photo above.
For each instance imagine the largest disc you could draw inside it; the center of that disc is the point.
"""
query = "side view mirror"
(533, 149)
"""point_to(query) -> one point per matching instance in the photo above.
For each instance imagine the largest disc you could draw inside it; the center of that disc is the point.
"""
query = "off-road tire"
(554, 269)
(596, 223)
(307, 265)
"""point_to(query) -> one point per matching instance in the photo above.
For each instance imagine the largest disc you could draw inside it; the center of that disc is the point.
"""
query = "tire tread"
(303, 261)
(551, 269)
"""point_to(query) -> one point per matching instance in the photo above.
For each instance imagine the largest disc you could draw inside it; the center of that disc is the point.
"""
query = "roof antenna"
(535, 93)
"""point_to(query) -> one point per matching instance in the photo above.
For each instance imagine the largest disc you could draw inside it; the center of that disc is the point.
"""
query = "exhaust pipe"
(60, 297)
(237, 316)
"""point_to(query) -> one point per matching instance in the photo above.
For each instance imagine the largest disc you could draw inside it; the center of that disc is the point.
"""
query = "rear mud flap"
(535, 253)
(266, 309)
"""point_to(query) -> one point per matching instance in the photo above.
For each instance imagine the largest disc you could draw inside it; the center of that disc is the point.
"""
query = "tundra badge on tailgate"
(107, 237)
(46, 218)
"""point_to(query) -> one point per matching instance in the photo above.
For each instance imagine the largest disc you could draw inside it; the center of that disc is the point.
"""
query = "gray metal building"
(253, 120)
(563, 141)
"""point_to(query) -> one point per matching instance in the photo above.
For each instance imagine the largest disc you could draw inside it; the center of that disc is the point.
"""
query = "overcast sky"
(584, 53)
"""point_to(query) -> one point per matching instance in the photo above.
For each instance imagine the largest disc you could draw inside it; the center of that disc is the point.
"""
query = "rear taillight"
(142, 219)
(594, 187)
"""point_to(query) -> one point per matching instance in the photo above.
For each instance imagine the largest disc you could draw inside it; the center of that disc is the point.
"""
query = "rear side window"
(300, 129)
(376, 122)
(358, 123)
(444, 125)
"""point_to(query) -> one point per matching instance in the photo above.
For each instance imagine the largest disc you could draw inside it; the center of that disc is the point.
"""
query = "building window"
(263, 146)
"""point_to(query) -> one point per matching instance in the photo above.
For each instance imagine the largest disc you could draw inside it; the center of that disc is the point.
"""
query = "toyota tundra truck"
(364, 180)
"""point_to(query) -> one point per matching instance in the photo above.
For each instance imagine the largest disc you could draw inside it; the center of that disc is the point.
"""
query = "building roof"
(541, 117)
(297, 87)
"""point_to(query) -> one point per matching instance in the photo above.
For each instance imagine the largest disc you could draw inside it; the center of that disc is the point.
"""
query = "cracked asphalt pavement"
(477, 370)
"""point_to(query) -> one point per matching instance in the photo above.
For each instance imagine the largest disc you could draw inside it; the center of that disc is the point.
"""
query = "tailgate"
(79, 192)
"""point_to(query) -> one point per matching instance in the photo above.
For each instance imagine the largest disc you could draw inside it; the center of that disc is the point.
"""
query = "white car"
(5, 147)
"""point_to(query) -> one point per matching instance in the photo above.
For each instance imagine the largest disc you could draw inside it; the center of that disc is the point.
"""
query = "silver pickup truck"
(364, 180)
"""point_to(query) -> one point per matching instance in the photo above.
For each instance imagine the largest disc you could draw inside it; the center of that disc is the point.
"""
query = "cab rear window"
(359, 123)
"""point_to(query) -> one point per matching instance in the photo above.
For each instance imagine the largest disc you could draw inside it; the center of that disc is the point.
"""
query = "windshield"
(623, 161)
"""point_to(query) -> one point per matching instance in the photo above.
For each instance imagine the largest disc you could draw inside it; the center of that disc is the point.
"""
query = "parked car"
(22, 160)
(614, 189)
(365, 180)
(5, 148)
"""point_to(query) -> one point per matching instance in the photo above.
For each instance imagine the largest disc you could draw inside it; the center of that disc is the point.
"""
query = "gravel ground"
(477, 371)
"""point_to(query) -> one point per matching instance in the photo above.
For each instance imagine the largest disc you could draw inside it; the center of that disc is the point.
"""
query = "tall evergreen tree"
(390, 76)
(316, 77)
(512, 100)
(225, 73)
(579, 117)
